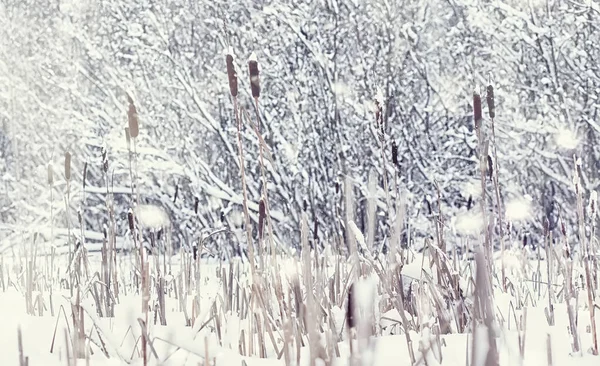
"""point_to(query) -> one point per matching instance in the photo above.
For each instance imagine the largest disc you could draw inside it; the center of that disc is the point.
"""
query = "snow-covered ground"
(219, 333)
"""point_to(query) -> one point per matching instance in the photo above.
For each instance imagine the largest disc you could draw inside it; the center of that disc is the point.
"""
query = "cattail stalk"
(68, 201)
(233, 89)
(51, 186)
(483, 152)
(379, 122)
(492, 113)
(585, 244)
(253, 71)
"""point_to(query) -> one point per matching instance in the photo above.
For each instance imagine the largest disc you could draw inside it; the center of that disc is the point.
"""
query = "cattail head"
(379, 115)
(68, 166)
(133, 118)
(231, 75)
(395, 154)
(84, 174)
(50, 175)
(131, 220)
(196, 202)
(254, 78)
(262, 214)
(176, 193)
(351, 308)
(315, 229)
(490, 101)
(104, 160)
(477, 114)
(195, 251)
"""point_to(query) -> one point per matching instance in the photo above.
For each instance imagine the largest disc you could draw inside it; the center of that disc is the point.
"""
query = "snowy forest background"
(67, 66)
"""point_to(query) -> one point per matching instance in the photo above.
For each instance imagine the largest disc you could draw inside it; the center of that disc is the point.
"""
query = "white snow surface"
(177, 344)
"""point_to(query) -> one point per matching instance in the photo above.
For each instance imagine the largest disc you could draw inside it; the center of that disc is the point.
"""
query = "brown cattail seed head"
(477, 114)
(133, 118)
(490, 101)
(130, 220)
(231, 75)
(50, 175)
(104, 159)
(254, 78)
(195, 252)
(68, 165)
(379, 117)
(262, 214)
(196, 203)
(395, 154)
(350, 309)
(84, 174)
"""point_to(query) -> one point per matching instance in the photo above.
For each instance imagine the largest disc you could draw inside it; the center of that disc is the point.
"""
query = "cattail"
(231, 75)
(254, 78)
(477, 114)
(196, 202)
(261, 218)
(350, 308)
(50, 175)
(379, 117)
(395, 154)
(490, 101)
(133, 118)
(104, 160)
(84, 174)
(304, 205)
(490, 166)
(131, 221)
(176, 193)
(195, 251)
(315, 229)
(68, 165)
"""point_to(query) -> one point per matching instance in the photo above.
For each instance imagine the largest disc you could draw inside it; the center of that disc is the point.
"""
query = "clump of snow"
(468, 223)
(253, 57)
(135, 30)
(471, 188)
(152, 216)
(519, 209)
(566, 139)
(229, 52)
(341, 89)
(379, 98)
